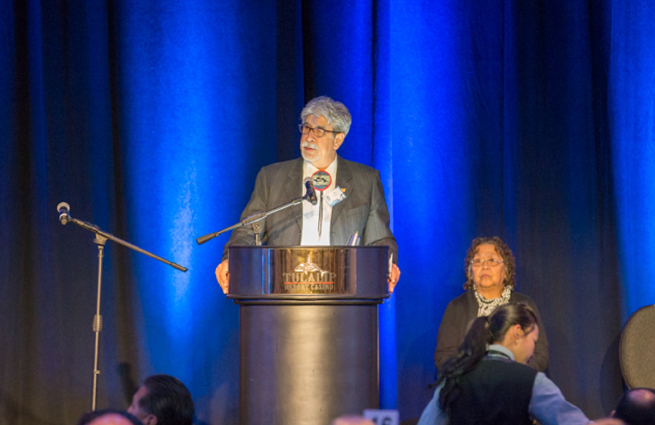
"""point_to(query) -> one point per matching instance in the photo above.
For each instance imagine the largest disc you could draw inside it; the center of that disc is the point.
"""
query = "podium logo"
(309, 277)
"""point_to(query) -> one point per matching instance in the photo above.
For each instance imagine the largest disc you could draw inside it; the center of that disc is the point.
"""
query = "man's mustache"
(309, 145)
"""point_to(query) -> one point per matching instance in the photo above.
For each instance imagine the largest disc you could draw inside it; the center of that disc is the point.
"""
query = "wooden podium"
(308, 328)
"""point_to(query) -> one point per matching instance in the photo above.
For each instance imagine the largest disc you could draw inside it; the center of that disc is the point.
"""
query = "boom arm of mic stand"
(249, 220)
(95, 229)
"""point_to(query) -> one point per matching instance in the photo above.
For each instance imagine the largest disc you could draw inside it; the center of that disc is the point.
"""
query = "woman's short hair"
(503, 250)
(334, 112)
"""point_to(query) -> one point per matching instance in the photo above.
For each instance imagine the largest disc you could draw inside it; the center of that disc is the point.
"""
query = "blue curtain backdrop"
(533, 121)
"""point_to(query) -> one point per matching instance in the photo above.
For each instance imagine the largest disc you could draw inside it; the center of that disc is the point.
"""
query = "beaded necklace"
(486, 307)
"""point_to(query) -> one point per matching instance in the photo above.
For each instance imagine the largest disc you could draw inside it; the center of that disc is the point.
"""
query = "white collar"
(311, 167)
(501, 349)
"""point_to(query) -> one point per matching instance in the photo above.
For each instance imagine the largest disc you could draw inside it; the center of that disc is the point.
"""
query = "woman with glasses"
(490, 270)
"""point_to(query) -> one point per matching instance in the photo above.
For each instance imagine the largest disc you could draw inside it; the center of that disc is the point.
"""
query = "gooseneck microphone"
(63, 209)
(309, 196)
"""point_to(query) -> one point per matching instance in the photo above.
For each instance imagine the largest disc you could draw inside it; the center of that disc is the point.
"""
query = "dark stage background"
(530, 120)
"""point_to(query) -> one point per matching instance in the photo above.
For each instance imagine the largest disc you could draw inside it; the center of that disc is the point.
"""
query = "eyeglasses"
(480, 263)
(318, 131)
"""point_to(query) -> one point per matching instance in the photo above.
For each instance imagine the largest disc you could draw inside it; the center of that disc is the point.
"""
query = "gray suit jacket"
(364, 209)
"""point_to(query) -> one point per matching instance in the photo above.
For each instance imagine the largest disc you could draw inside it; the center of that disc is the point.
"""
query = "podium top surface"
(308, 273)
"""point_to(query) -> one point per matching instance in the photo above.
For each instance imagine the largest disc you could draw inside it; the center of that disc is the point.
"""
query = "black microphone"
(63, 209)
(310, 194)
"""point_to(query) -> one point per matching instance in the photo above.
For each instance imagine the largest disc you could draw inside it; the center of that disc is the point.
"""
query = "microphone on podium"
(310, 193)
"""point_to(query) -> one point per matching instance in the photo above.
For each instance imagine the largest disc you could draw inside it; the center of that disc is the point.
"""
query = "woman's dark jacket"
(460, 314)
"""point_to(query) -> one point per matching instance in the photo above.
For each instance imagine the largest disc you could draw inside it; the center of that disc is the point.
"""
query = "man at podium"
(349, 197)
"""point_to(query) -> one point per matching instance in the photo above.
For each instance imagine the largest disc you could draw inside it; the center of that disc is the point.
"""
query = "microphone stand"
(310, 197)
(100, 239)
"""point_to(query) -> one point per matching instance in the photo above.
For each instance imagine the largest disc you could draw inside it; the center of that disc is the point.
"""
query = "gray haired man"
(354, 197)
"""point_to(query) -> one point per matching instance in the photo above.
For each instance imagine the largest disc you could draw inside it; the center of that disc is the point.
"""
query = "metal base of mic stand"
(97, 319)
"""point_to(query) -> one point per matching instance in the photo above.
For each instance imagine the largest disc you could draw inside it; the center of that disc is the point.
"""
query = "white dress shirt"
(310, 213)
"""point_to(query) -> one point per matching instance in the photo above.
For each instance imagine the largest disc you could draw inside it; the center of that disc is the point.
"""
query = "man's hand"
(393, 278)
(223, 276)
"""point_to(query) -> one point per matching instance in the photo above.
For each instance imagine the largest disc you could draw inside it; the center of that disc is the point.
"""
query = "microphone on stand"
(63, 209)
(310, 194)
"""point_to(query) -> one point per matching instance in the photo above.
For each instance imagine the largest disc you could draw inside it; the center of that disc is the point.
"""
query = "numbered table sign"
(382, 417)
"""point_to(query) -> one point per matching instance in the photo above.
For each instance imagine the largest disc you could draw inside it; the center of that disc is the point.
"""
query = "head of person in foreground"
(513, 326)
(163, 400)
